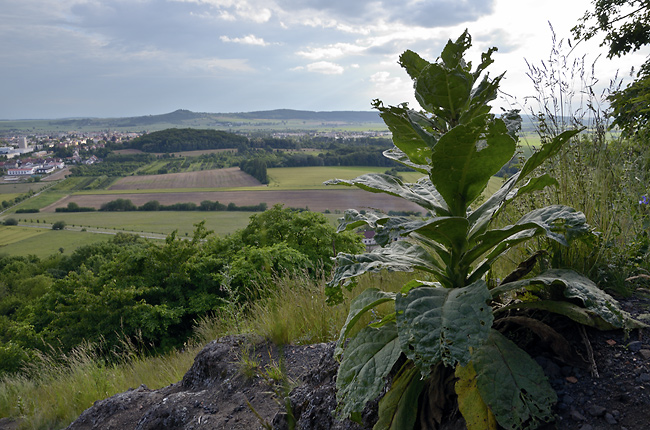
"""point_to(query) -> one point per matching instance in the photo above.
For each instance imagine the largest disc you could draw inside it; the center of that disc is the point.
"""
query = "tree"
(10, 221)
(59, 225)
(626, 28)
(308, 232)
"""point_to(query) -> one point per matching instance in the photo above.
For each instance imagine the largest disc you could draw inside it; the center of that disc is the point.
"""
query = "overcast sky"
(115, 58)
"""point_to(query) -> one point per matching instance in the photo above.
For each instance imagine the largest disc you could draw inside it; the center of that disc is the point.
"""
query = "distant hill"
(279, 119)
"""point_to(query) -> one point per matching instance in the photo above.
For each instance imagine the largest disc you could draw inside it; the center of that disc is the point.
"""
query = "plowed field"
(219, 178)
(316, 200)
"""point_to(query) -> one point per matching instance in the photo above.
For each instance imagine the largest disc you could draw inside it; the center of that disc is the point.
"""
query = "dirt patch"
(315, 200)
(231, 177)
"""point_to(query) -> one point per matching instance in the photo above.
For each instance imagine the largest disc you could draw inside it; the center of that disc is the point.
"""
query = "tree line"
(132, 288)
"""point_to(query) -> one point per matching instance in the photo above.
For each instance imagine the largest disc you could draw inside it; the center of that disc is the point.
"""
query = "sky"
(120, 58)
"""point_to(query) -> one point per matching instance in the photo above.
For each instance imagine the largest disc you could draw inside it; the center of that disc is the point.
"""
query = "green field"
(43, 242)
(289, 178)
(162, 222)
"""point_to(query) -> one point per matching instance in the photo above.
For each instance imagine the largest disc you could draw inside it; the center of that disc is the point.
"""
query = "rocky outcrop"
(226, 388)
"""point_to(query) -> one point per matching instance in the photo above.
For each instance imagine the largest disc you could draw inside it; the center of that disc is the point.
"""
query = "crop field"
(7, 187)
(313, 177)
(13, 234)
(146, 224)
(231, 177)
(335, 198)
(8, 196)
(43, 242)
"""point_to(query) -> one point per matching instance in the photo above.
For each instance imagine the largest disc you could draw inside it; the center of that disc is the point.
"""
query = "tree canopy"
(625, 26)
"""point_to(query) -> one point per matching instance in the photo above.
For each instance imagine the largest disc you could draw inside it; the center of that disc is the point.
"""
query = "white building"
(21, 171)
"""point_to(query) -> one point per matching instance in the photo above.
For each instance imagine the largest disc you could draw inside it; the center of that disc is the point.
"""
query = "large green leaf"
(399, 406)
(443, 91)
(512, 384)
(576, 286)
(421, 193)
(483, 93)
(557, 222)
(405, 137)
(367, 300)
(399, 256)
(466, 158)
(412, 63)
(367, 361)
(452, 54)
(400, 157)
(481, 217)
(443, 324)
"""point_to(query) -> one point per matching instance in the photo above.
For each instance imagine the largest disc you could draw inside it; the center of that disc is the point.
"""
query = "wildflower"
(644, 200)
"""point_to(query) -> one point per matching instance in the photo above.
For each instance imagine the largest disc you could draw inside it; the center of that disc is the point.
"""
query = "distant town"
(25, 156)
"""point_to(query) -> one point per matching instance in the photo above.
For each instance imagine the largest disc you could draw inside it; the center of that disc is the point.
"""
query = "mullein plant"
(439, 342)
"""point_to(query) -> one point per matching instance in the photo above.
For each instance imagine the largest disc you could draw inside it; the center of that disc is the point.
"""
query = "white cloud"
(331, 51)
(325, 67)
(246, 40)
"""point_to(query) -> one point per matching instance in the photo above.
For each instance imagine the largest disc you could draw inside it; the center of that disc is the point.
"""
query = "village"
(24, 157)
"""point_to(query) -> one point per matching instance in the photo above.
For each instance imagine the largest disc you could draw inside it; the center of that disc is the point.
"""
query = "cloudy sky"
(114, 58)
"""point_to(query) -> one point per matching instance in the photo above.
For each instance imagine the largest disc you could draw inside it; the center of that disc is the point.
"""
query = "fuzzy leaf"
(470, 403)
(443, 91)
(467, 157)
(557, 222)
(412, 63)
(512, 384)
(361, 304)
(399, 156)
(405, 137)
(576, 286)
(368, 359)
(443, 324)
(421, 193)
(398, 408)
(399, 256)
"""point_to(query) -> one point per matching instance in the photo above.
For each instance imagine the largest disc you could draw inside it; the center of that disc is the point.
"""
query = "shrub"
(444, 330)
(59, 225)
(10, 221)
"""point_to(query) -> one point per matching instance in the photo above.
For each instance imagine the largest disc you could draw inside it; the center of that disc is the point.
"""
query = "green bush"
(59, 225)
(10, 221)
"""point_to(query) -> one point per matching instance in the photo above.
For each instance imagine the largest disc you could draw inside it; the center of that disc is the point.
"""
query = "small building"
(369, 240)
(21, 171)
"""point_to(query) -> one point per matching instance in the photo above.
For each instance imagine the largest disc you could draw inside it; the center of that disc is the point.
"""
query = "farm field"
(43, 242)
(313, 177)
(143, 223)
(231, 177)
(317, 200)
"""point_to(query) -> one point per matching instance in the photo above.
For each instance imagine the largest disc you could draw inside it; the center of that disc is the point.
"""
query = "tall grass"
(54, 392)
(599, 173)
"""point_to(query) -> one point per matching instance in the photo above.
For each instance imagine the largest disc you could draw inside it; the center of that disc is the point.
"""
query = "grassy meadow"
(43, 242)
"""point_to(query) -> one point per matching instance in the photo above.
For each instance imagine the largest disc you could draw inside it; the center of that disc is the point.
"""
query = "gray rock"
(610, 419)
(596, 411)
(577, 416)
